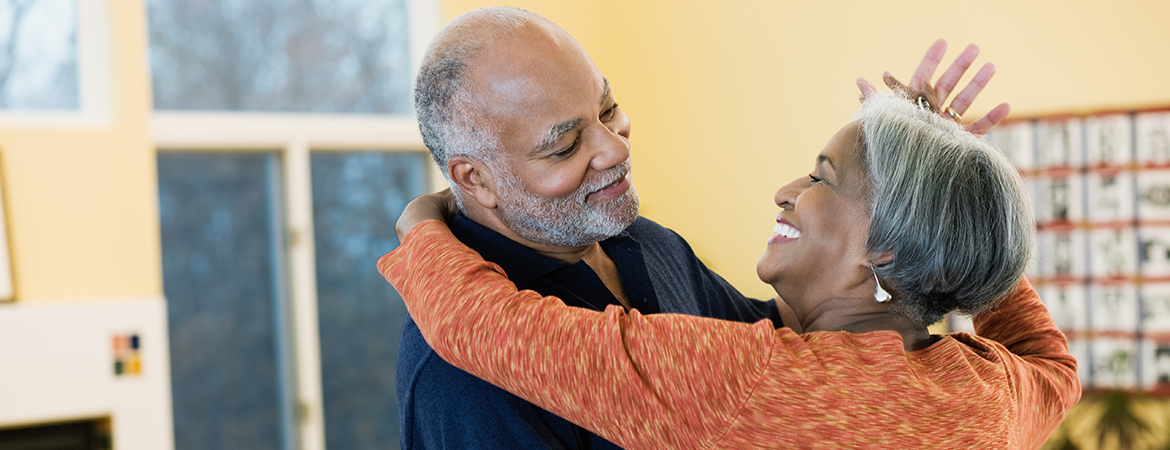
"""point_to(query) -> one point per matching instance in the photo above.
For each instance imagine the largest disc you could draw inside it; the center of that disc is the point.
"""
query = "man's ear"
(473, 179)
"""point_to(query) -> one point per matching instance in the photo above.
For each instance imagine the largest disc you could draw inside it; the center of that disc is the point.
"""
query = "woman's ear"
(474, 180)
(883, 258)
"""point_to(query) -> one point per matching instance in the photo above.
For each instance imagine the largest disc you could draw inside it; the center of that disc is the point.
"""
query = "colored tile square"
(1153, 138)
(1114, 363)
(1016, 141)
(1059, 142)
(1066, 303)
(1108, 140)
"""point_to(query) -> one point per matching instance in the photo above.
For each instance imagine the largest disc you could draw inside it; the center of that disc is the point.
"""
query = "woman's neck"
(862, 316)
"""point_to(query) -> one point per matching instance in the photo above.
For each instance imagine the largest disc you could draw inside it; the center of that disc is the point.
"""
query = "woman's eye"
(814, 179)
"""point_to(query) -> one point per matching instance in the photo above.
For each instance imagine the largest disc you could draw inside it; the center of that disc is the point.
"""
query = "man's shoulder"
(443, 407)
(648, 231)
(679, 276)
(421, 370)
(658, 241)
(413, 352)
(642, 225)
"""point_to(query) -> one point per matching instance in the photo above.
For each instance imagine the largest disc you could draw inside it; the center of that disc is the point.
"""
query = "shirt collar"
(522, 264)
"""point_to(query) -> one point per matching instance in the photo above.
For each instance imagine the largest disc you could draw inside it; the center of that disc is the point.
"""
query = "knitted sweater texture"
(668, 381)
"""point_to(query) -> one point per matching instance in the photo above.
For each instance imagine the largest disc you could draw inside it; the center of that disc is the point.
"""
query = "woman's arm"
(434, 206)
(640, 381)
(673, 381)
(1046, 380)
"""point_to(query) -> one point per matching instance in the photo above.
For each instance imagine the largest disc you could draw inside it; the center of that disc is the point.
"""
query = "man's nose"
(612, 149)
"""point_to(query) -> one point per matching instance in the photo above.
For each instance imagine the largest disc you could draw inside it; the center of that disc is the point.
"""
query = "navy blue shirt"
(442, 407)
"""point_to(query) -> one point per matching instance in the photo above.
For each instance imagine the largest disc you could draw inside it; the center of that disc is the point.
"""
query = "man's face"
(562, 175)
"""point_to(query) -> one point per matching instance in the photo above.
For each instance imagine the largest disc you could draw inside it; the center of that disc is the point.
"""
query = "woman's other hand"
(440, 205)
(937, 94)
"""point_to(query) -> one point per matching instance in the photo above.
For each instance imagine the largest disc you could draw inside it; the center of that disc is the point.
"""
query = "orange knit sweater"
(670, 381)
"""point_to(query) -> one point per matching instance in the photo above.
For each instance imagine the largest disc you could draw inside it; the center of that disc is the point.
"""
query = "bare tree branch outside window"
(38, 55)
(324, 56)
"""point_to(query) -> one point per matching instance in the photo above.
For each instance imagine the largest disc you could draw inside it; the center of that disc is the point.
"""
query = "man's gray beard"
(570, 220)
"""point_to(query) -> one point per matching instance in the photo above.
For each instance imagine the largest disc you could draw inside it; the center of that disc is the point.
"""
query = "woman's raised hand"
(937, 94)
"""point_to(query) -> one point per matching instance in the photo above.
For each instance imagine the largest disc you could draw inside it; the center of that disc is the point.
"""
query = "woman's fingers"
(986, 123)
(929, 63)
(950, 78)
(867, 89)
(965, 98)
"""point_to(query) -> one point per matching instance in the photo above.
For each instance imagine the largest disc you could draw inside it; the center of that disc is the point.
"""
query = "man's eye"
(609, 113)
(815, 179)
(566, 152)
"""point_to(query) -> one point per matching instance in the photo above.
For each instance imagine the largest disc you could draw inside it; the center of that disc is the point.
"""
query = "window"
(53, 63)
(335, 56)
(232, 355)
(222, 251)
(285, 156)
(38, 55)
(357, 197)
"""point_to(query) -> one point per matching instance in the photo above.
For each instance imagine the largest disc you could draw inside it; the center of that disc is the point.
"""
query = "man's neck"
(562, 253)
(591, 253)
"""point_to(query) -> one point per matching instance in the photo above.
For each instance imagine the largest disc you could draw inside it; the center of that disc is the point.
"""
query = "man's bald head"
(449, 116)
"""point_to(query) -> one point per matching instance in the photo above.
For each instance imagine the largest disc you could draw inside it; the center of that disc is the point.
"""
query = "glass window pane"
(221, 277)
(38, 55)
(325, 56)
(357, 197)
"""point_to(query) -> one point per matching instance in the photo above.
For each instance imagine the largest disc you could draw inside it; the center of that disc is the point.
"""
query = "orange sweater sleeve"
(674, 381)
(1045, 376)
(599, 370)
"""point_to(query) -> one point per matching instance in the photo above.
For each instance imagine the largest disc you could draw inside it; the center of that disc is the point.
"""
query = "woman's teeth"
(786, 230)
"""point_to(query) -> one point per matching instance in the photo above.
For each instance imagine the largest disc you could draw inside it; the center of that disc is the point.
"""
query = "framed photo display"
(1100, 186)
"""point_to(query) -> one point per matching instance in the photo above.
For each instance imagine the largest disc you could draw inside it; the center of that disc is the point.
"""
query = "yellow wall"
(731, 100)
(82, 202)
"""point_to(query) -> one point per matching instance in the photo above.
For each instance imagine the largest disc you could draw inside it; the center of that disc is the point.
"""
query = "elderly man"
(538, 155)
(537, 152)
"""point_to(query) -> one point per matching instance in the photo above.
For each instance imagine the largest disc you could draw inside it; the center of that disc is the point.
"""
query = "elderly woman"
(905, 217)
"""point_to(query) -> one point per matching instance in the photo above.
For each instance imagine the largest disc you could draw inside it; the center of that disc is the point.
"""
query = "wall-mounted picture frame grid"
(1100, 186)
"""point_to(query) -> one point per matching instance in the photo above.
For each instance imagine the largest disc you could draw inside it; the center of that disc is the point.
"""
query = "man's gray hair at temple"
(448, 116)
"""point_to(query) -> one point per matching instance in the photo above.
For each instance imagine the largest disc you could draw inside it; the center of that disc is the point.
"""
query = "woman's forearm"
(637, 380)
(1048, 378)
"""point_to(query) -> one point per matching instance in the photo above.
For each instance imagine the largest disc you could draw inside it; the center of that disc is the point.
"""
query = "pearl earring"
(880, 294)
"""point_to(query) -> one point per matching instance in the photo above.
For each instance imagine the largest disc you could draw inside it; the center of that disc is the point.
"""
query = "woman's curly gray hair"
(951, 208)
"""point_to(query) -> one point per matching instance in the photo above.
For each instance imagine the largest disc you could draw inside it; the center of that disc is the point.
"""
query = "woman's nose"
(787, 194)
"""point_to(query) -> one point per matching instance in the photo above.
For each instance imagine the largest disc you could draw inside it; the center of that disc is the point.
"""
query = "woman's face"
(822, 225)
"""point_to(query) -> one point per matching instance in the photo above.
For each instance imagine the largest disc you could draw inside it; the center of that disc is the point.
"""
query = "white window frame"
(94, 83)
(294, 136)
